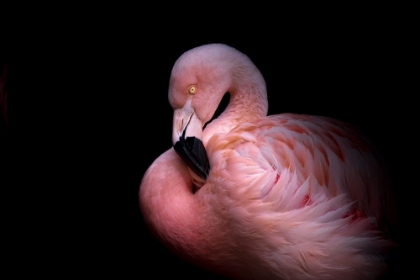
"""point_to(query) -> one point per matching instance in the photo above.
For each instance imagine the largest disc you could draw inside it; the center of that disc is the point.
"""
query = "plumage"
(288, 196)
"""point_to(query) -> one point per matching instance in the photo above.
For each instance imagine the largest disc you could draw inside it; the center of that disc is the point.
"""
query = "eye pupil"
(192, 89)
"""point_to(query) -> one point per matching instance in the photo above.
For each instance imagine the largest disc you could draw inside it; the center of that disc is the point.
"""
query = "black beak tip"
(192, 151)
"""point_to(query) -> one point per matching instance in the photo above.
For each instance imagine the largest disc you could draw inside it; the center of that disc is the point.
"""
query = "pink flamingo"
(253, 196)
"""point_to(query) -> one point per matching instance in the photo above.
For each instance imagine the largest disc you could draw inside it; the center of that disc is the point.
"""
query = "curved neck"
(179, 219)
(248, 101)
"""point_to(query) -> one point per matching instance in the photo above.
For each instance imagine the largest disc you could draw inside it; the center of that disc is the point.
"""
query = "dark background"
(88, 113)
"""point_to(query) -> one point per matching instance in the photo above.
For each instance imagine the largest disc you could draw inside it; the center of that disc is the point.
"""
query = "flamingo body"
(288, 196)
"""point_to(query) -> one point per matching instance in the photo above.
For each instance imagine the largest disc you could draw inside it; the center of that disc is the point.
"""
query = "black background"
(89, 113)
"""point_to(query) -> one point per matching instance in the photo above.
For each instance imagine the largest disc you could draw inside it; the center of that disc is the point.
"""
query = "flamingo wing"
(295, 160)
(308, 188)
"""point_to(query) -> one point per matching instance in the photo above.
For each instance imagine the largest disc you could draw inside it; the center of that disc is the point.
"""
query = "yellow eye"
(192, 89)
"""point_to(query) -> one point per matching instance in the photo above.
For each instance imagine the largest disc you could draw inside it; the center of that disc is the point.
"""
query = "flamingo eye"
(192, 89)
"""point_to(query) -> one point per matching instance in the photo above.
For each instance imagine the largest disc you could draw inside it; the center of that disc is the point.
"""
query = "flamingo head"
(198, 82)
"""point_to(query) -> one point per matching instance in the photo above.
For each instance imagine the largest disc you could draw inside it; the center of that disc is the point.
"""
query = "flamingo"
(256, 196)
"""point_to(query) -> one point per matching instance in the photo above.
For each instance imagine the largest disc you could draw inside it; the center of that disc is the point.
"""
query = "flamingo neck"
(248, 102)
(180, 219)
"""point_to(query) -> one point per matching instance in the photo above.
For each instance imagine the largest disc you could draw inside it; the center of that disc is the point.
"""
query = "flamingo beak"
(186, 138)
